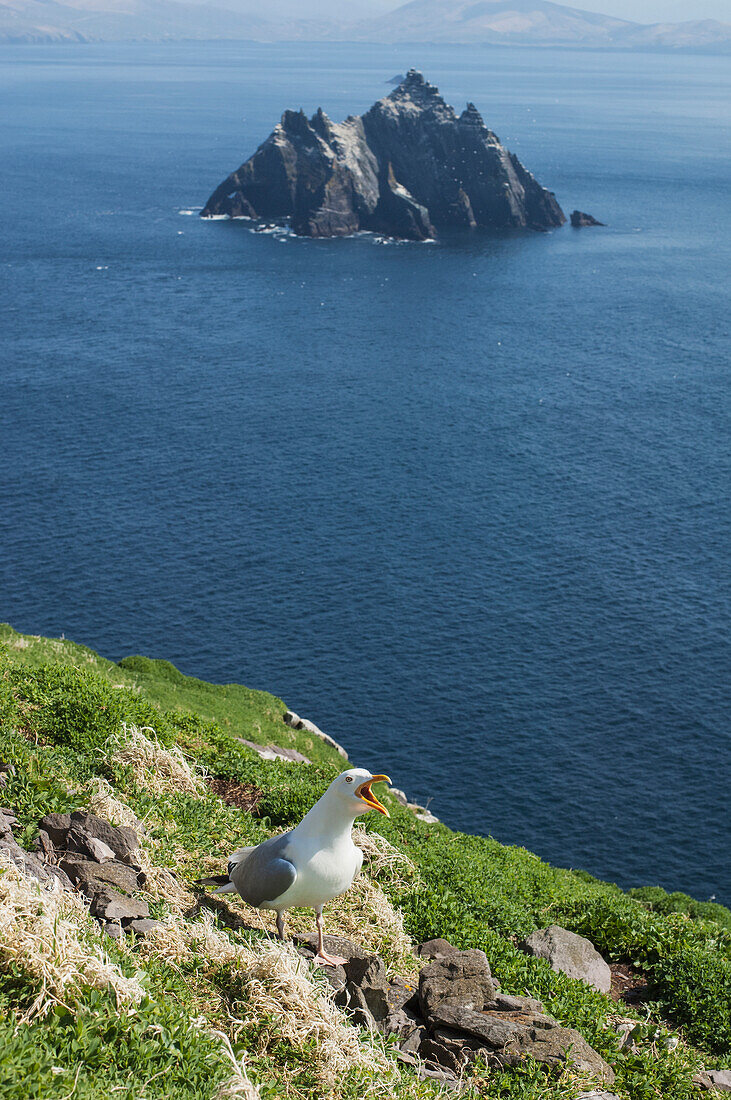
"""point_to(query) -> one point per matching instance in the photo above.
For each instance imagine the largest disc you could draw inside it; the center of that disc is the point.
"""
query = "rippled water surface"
(463, 504)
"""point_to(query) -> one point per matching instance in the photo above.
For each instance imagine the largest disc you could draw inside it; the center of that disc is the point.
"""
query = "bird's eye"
(348, 779)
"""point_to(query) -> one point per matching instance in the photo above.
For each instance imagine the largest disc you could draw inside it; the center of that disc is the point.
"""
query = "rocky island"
(407, 168)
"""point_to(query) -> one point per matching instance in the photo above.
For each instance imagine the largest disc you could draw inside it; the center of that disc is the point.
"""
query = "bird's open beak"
(365, 792)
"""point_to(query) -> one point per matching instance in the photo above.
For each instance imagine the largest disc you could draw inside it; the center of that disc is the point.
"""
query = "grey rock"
(334, 945)
(87, 876)
(122, 839)
(463, 977)
(435, 949)
(275, 752)
(98, 850)
(432, 1051)
(8, 820)
(142, 925)
(571, 954)
(427, 817)
(720, 1079)
(108, 905)
(597, 1094)
(407, 165)
(28, 864)
(403, 995)
(113, 929)
(44, 846)
(366, 990)
(412, 1040)
(505, 1003)
(56, 827)
(291, 754)
(489, 1030)
(295, 722)
(579, 219)
(399, 795)
(555, 1046)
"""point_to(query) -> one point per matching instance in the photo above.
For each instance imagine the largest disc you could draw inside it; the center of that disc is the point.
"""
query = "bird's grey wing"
(265, 873)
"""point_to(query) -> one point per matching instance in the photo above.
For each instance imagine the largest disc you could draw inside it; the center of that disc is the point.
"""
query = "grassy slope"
(59, 704)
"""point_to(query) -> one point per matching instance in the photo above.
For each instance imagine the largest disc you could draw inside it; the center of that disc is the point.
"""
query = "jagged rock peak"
(405, 166)
(416, 84)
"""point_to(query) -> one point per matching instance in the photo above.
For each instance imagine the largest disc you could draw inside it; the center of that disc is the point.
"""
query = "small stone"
(433, 1051)
(98, 850)
(44, 846)
(570, 954)
(114, 929)
(720, 1079)
(142, 926)
(56, 826)
(460, 978)
(490, 1031)
(87, 876)
(334, 945)
(368, 986)
(111, 906)
(121, 839)
(435, 949)
(413, 1039)
(505, 1003)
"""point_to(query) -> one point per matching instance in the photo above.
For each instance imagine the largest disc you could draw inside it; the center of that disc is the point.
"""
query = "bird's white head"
(353, 788)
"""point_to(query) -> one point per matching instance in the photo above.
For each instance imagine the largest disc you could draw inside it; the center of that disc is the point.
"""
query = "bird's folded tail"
(223, 882)
(213, 880)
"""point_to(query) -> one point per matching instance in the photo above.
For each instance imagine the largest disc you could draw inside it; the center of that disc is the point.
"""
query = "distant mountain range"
(489, 22)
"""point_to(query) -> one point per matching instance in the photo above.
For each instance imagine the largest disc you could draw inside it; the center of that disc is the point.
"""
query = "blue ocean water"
(464, 504)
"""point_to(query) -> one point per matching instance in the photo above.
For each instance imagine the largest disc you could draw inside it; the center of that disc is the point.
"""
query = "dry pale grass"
(283, 998)
(158, 769)
(383, 861)
(238, 1084)
(50, 935)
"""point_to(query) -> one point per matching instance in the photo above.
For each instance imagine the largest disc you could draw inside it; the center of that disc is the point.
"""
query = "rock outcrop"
(453, 1013)
(571, 954)
(406, 168)
(579, 219)
(101, 861)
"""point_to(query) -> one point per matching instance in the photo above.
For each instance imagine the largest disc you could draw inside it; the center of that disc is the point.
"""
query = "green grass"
(59, 704)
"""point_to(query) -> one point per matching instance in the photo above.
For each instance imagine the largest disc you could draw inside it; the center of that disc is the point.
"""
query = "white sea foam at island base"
(283, 232)
(190, 213)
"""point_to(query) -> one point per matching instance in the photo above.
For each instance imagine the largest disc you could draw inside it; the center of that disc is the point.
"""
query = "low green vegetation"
(62, 706)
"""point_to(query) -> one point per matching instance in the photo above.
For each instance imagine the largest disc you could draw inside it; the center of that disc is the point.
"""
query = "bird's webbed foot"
(323, 959)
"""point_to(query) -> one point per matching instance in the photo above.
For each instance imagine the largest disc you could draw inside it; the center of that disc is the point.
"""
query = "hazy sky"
(642, 11)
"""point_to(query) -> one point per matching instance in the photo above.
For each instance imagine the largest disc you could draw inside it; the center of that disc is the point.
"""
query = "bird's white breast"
(325, 868)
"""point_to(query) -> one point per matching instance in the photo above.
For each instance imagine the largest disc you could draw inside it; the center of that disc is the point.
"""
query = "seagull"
(312, 863)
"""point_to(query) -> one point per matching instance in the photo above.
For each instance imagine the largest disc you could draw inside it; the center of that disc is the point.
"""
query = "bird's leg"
(280, 926)
(322, 957)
